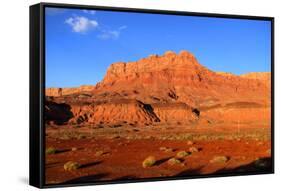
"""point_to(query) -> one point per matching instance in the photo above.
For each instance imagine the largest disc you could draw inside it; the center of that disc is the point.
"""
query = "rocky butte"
(169, 88)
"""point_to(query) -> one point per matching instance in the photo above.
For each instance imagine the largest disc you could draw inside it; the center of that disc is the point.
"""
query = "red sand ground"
(122, 158)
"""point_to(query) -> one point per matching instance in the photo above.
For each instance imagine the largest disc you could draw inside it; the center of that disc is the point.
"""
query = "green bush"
(51, 150)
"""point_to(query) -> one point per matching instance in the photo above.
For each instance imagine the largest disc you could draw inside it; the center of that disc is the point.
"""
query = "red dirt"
(123, 158)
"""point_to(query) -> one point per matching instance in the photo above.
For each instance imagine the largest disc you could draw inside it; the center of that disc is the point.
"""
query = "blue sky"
(81, 44)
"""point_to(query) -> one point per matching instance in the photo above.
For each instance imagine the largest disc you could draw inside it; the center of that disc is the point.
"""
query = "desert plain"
(161, 116)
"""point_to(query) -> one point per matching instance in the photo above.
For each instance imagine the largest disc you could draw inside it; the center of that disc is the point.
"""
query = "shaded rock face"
(58, 113)
(171, 88)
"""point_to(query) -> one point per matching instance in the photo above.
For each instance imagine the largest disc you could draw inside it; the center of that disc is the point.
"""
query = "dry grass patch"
(149, 162)
(219, 159)
(71, 165)
(100, 153)
(166, 149)
(51, 150)
(182, 154)
(174, 161)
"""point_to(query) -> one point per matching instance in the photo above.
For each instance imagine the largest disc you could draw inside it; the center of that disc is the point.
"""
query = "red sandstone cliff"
(171, 87)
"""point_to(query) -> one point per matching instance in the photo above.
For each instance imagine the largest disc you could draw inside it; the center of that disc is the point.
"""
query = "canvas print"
(136, 96)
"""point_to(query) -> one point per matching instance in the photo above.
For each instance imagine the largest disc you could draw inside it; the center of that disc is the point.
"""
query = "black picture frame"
(37, 90)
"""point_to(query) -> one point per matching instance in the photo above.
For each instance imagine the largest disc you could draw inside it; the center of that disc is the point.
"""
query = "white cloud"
(122, 27)
(111, 34)
(92, 12)
(81, 24)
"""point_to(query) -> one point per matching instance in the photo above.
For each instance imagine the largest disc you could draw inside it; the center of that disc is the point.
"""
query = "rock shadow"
(90, 164)
(259, 165)
(59, 113)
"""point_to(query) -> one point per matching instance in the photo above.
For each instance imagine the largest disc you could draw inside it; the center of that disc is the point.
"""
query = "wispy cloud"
(111, 34)
(81, 24)
(92, 12)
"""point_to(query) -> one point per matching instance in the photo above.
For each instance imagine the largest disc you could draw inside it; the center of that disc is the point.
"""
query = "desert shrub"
(219, 159)
(70, 165)
(174, 161)
(99, 153)
(193, 149)
(51, 150)
(166, 149)
(149, 161)
(182, 154)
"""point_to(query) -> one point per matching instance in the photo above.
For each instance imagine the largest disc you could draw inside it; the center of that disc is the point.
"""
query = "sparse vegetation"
(166, 149)
(149, 161)
(182, 154)
(70, 134)
(70, 166)
(100, 153)
(174, 161)
(219, 159)
(51, 150)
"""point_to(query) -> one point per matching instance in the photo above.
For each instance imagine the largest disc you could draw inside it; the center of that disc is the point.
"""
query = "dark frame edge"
(272, 96)
(35, 130)
(37, 76)
(156, 11)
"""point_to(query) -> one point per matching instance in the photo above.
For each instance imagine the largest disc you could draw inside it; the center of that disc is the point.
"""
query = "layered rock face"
(168, 88)
(115, 111)
(157, 77)
(56, 92)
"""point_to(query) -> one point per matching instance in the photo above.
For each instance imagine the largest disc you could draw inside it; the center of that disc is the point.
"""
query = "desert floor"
(116, 152)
